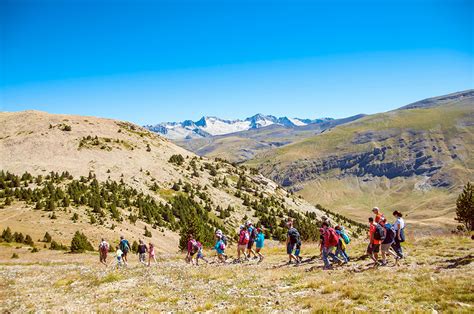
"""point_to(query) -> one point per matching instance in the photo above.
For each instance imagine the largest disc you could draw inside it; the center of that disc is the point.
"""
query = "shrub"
(134, 247)
(35, 250)
(147, 233)
(176, 159)
(80, 243)
(57, 246)
(15, 255)
(7, 235)
(29, 240)
(47, 237)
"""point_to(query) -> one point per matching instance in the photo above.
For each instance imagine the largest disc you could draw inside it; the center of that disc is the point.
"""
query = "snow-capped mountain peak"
(211, 126)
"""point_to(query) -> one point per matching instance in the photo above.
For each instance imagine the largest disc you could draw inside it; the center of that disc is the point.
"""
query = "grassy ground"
(436, 275)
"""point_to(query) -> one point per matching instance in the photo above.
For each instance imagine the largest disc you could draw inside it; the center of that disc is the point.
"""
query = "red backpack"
(333, 237)
(245, 237)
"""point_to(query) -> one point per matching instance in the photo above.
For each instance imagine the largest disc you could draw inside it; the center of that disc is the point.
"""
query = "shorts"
(250, 244)
(125, 252)
(142, 257)
(373, 248)
(290, 247)
(242, 247)
(385, 247)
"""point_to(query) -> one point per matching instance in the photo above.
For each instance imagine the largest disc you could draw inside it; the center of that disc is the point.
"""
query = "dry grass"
(436, 275)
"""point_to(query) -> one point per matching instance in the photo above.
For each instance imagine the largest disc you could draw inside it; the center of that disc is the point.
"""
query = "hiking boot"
(327, 268)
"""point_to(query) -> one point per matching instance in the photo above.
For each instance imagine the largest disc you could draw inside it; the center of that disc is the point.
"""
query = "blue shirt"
(218, 246)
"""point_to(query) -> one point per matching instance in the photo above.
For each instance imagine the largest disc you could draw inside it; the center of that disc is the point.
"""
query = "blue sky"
(153, 61)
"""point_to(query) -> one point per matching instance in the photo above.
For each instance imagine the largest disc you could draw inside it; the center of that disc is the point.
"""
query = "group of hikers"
(384, 238)
(122, 250)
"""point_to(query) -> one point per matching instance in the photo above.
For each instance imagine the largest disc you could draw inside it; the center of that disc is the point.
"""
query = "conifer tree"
(465, 207)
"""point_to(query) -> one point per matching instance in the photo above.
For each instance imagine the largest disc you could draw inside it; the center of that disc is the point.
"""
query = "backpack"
(345, 237)
(194, 246)
(253, 233)
(224, 239)
(104, 247)
(246, 237)
(124, 246)
(389, 234)
(379, 233)
(222, 246)
(333, 238)
(294, 235)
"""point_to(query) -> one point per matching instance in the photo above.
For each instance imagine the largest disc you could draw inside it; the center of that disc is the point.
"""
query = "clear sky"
(154, 61)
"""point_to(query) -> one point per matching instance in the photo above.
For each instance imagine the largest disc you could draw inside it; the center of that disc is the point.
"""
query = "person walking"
(253, 235)
(220, 248)
(378, 216)
(118, 257)
(376, 236)
(343, 241)
(259, 242)
(125, 248)
(151, 254)
(387, 242)
(192, 249)
(142, 250)
(399, 227)
(244, 238)
(292, 239)
(103, 251)
(329, 241)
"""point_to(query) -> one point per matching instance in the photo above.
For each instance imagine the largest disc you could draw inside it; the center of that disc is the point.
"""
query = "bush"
(47, 237)
(80, 243)
(147, 233)
(29, 240)
(35, 250)
(176, 159)
(57, 246)
(15, 255)
(7, 235)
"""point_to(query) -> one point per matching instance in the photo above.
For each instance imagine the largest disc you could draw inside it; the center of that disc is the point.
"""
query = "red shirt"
(371, 234)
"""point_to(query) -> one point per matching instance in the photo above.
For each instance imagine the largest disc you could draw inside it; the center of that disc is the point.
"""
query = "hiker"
(326, 220)
(329, 241)
(292, 240)
(200, 254)
(220, 248)
(244, 238)
(259, 243)
(142, 250)
(193, 248)
(387, 242)
(224, 239)
(343, 241)
(125, 248)
(376, 236)
(118, 256)
(253, 234)
(378, 214)
(103, 250)
(399, 227)
(151, 253)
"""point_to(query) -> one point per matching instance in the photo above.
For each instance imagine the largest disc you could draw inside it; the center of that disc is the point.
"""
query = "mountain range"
(212, 126)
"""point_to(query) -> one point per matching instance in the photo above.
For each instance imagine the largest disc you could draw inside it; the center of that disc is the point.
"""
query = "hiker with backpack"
(220, 247)
(151, 254)
(142, 250)
(200, 254)
(293, 240)
(223, 237)
(192, 248)
(253, 235)
(125, 248)
(259, 243)
(399, 227)
(103, 251)
(329, 241)
(376, 237)
(244, 238)
(343, 241)
(387, 242)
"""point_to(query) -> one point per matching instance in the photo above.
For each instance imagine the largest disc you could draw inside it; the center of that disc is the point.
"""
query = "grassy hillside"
(120, 178)
(415, 160)
(435, 276)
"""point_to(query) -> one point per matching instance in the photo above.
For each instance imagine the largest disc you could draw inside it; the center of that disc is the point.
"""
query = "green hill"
(413, 159)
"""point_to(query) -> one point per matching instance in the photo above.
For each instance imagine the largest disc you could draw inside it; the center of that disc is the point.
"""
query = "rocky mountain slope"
(414, 159)
(212, 126)
(244, 145)
(139, 173)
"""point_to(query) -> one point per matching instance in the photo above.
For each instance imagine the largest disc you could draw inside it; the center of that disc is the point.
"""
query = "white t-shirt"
(399, 224)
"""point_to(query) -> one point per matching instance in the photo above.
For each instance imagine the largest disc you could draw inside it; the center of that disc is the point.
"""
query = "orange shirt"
(378, 217)
(371, 234)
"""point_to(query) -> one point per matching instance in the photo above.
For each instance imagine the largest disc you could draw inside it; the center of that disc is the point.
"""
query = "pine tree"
(47, 237)
(80, 243)
(7, 235)
(29, 240)
(465, 207)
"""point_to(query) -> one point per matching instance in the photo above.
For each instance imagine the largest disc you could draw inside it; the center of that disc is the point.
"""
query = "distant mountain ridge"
(209, 126)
